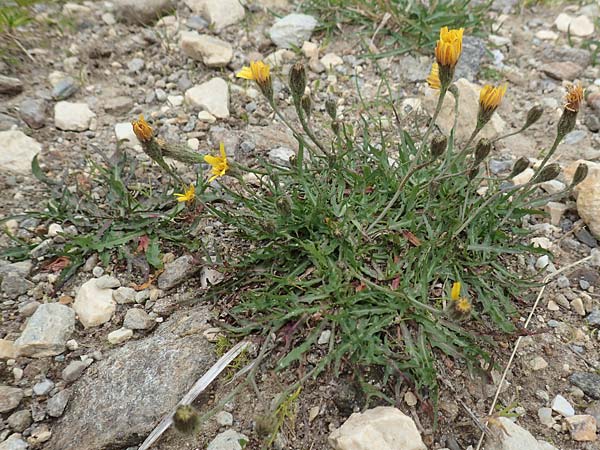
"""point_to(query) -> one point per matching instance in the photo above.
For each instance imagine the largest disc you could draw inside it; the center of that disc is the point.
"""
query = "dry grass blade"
(196, 389)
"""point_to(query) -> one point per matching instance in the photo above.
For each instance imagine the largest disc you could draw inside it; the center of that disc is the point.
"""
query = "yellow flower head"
(188, 196)
(449, 47)
(258, 71)
(434, 77)
(462, 306)
(490, 96)
(142, 130)
(455, 293)
(574, 97)
(219, 164)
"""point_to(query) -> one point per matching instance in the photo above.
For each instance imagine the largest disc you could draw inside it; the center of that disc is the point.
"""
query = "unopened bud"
(284, 205)
(482, 149)
(331, 107)
(186, 419)
(438, 146)
(335, 126)
(520, 165)
(580, 174)
(297, 80)
(533, 115)
(550, 172)
(566, 123)
(306, 105)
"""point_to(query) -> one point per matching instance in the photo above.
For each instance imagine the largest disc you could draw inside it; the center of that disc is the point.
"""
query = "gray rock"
(138, 319)
(10, 85)
(14, 442)
(136, 64)
(566, 70)
(10, 397)
(107, 282)
(228, 440)
(224, 418)
(124, 295)
(43, 387)
(579, 56)
(500, 166)
(33, 112)
(281, 156)
(74, 370)
(144, 12)
(587, 382)
(515, 437)
(65, 88)
(47, 331)
(196, 23)
(594, 318)
(562, 406)
(592, 122)
(473, 53)
(19, 420)
(177, 271)
(292, 30)
(57, 404)
(22, 268)
(139, 383)
(213, 52)
(18, 150)
(118, 105)
(13, 285)
(575, 137)
(220, 13)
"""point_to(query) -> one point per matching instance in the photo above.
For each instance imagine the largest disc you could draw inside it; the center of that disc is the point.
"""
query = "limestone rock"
(213, 96)
(138, 319)
(47, 331)
(177, 271)
(582, 427)
(213, 52)
(588, 195)
(10, 397)
(93, 305)
(228, 440)
(144, 12)
(292, 30)
(125, 135)
(10, 85)
(33, 112)
(138, 383)
(514, 438)
(72, 116)
(220, 13)
(18, 150)
(468, 109)
(14, 442)
(562, 406)
(565, 70)
(381, 428)
(580, 26)
(57, 404)
(119, 336)
(7, 349)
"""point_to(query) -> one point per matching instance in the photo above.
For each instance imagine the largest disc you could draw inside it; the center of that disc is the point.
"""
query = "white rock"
(542, 262)
(582, 26)
(310, 49)
(94, 305)
(324, 337)
(292, 30)
(588, 195)
(224, 418)
(538, 363)
(381, 428)
(14, 442)
(124, 295)
(193, 143)
(213, 96)
(546, 35)
(553, 186)
(228, 440)
(578, 307)
(556, 211)
(119, 336)
(18, 150)
(47, 331)
(542, 242)
(523, 177)
(562, 406)
(72, 116)
(205, 116)
(281, 156)
(220, 13)
(54, 229)
(512, 437)
(175, 100)
(545, 416)
(75, 9)
(137, 319)
(213, 52)
(126, 136)
(331, 60)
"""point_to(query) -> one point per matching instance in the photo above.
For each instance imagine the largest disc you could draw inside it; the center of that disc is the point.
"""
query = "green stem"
(306, 127)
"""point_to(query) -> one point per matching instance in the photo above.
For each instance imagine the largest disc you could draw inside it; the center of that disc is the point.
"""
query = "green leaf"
(153, 254)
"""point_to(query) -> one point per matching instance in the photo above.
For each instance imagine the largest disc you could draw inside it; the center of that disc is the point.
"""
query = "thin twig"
(514, 352)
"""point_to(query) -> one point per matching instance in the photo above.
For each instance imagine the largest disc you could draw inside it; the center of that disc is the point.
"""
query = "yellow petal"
(222, 148)
(212, 160)
(245, 73)
(455, 293)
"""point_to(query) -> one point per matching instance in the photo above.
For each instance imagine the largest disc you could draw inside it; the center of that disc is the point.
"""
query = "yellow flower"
(455, 293)
(490, 96)
(258, 71)
(188, 196)
(434, 77)
(219, 164)
(449, 47)
(574, 97)
(142, 130)
(462, 306)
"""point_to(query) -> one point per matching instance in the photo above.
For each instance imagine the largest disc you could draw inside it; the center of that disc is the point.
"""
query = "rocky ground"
(96, 363)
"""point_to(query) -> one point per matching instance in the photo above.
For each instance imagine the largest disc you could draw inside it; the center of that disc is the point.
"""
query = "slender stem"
(474, 134)
(307, 128)
(414, 166)
(504, 136)
(287, 123)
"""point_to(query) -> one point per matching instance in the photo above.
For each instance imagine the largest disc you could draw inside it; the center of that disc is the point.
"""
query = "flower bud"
(566, 123)
(331, 107)
(306, 105)
(550, 172)
(284, 205)
(297, 80)
(580, 174)
(438, 146)
(482, 149)
(186, 419)
(335, 126)
(520, 165)
(533, 115)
